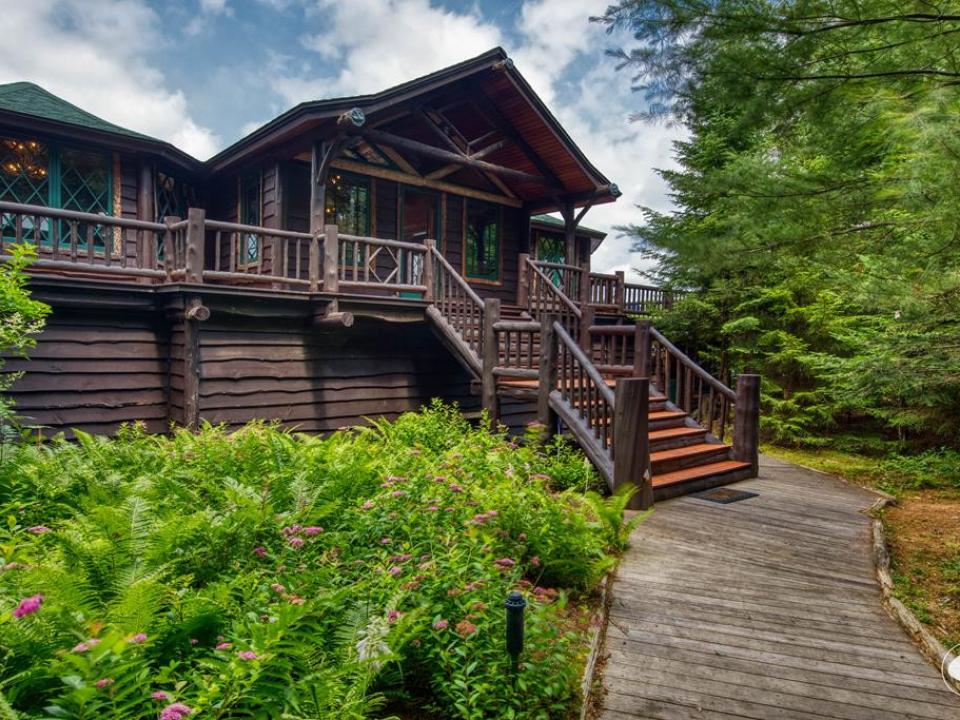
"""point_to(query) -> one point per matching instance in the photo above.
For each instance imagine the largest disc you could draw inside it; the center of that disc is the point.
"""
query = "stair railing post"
(331, 265)
(620, 299)
(313, 261)
(523, 280)
(549, 373)
(587, 319)
(196, 221)
(746, 422)
(631, 441)
(491, 358)
(429, 276)
(585, 290)
(641, 349)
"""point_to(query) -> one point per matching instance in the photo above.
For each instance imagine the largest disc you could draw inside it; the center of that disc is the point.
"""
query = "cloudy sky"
(202, 73)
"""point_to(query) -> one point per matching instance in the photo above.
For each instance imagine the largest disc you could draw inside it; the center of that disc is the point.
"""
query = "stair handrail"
(458, 308)
(544, 297)
(684, 359)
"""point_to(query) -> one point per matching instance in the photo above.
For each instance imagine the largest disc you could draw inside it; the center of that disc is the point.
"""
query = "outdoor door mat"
(724, 495)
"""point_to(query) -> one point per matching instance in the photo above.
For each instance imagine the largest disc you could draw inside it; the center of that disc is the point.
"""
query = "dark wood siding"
(385, 209)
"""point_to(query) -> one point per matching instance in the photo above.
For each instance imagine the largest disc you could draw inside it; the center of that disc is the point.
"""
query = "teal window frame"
(483, 249)
(250, 186)
(55, 178)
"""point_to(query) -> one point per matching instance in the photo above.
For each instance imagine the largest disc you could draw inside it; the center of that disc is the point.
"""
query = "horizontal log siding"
(321, 380)
(385, 209)
(94, 371)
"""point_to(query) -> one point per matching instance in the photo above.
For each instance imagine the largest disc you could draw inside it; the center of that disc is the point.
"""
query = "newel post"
(549, 373)
(588, 316)
(620, 300)
(491, 358)
(523, 280)
(631, 442)
(169, 248)
(196, 219)
(641, 349)
(331, 252)
(746, 421)
(429, 271)
(313, 261)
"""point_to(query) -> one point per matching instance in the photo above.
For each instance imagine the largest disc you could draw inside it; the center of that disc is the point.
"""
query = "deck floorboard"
(764, 608)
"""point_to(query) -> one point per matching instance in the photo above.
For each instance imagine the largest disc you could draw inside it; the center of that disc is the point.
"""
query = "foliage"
(20, 318)
(266, 574)
(817, 220)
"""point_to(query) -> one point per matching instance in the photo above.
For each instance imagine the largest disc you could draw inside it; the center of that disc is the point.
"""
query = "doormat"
(724, 495)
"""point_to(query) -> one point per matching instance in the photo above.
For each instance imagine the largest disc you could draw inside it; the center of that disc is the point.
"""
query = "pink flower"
(398, 493)
(38, 530)
(393, 615)
(194, 641)
(86, 645)
(248, 655)
(441, 624)
(278, 588)
(455, 488)
(12, 566)
(368, 505)
(535, 561)
(385, 541)
(440, 479)
(160, 695)
(296, 542)
(401, 558)
(296, 600)
(291, 530)
(312, 530)
(175, 711)
(396, 570)
(223, 646)
(505, 562)
(433, 508)
(465, 627)
(28, 606)
(260, 551)
(522, 537)
(103, 682)
(138, 639)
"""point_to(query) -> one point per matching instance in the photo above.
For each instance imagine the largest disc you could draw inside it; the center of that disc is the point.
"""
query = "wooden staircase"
(550, 351)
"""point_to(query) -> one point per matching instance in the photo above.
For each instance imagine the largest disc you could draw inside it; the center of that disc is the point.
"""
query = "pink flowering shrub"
(213, 574)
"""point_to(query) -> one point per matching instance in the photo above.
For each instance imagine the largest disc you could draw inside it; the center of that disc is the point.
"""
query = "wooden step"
(701, 477)
(675, 437)
(660, 419)
(686, 456)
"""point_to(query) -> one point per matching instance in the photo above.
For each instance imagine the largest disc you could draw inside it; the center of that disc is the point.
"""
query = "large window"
(348, 204)
(482, 241)
(39, 173)
(250, 214)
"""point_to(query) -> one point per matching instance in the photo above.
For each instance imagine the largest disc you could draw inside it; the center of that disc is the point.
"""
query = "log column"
(631, 442)
(491, 358)
(746, 422)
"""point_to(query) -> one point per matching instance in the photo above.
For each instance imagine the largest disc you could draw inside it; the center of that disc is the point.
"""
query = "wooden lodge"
(352, 258)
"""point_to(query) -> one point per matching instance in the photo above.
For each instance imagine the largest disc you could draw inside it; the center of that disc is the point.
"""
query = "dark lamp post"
(515, 604)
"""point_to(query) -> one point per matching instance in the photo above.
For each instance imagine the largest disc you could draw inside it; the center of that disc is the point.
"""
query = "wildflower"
(86, 645)
(260, 551)
(13, 566)
(223, 646)
(393, 615)
(455, 488)
(295, 542)
(478, 606)
(400, 558)
(398, 493)
(103, 682)
(248, 655)
(441, 624)
(28, 606)
(465, 628)
(448, 510)
(291, 530)
(194, 641)
(312, 530)
(505, 562)
(160, 695)
(368, 505)
(395, 570)
(175, 711)
(433, 508)
(138, 639)
(384, 541)
(278, 588)
(296, 600)
(439, 479)
(38, 530)
(522, 537)
(535, 561)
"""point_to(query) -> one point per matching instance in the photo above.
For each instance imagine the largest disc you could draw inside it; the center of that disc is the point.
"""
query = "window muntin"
(552, 248)
(482, 241)
(348, 204)
(250, 214)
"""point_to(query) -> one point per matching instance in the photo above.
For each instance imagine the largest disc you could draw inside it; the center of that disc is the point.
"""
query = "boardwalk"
(766, 608)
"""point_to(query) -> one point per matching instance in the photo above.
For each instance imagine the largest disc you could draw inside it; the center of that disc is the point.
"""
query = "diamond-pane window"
(250, 210)
(85, 186)
(24, 178)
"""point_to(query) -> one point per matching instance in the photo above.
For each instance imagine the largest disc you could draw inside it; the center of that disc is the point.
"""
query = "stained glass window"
(24, 178)
(552, 248)
(85, 186)
(482, 253)
(348, 204)
(250, 214)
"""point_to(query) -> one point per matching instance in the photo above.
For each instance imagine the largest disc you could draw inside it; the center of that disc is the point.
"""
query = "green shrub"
(195, 567)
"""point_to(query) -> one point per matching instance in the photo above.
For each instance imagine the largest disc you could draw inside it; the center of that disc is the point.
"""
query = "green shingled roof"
(29, 99)
(558, 223)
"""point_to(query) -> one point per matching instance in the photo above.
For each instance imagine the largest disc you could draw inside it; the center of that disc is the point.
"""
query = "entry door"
(419, 219)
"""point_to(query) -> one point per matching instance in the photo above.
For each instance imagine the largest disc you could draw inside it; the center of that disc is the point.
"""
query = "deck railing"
(544, 298)
(456, 307)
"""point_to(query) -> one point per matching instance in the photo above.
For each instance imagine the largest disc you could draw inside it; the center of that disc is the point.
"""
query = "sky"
(203, 73)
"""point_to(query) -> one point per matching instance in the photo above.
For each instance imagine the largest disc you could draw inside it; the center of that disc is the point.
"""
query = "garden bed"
(260, 573)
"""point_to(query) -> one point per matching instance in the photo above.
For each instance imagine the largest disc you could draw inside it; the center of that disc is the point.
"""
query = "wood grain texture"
(764, 608)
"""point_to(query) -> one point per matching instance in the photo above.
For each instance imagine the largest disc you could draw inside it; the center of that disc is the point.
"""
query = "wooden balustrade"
(457, 309)
(366, 263)
(518, 342)
(545, 298)
(641, 299)
(606, 291)
(248, 253)
(568, 278)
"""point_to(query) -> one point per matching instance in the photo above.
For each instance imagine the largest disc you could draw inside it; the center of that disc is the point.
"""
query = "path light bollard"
(515, 604)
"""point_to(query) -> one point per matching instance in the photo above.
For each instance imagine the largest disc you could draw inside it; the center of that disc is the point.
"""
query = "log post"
(169, 250)
(549, 372)
(194, 313)
(313, 261)
(641, 349)
(429, 271)
(587, 320)
(491, 358)
(746, 422)
(523, 280)
(196, 218)
(331, 263)
(145, 211)
(586, 294)
(621, 294)
(631, 442)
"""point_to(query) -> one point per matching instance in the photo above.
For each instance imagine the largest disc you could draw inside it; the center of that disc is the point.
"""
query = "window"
(250, 214)
(552, 248)
(38, 173)
(348, 204)
(482, 241)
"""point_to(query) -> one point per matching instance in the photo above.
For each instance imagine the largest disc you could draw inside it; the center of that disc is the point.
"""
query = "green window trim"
(482, 239)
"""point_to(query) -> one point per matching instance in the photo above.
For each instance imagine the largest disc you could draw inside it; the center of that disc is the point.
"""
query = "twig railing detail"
(250, 253)
(367, 263)
(545, 298)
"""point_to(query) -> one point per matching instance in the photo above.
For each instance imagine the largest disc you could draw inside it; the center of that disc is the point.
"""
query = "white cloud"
(92, 56)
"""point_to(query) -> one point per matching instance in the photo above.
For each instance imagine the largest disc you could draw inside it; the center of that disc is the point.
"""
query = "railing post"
(331, 266)
(491, 358)
(586, 294)
(429, 271)
(587, 319)
(620, 298)
(313, 261)
(169, 251)
(196, 218)
(746, 422)
(641, 349)
(631, 442)
(549, 372)
(523, 280)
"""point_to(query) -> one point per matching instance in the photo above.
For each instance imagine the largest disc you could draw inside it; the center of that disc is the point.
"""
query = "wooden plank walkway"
(764, 608)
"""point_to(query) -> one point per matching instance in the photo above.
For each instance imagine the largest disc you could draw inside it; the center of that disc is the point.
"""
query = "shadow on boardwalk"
(763, 608)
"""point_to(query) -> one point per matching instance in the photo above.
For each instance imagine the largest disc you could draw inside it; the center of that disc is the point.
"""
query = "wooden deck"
(763, 608)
